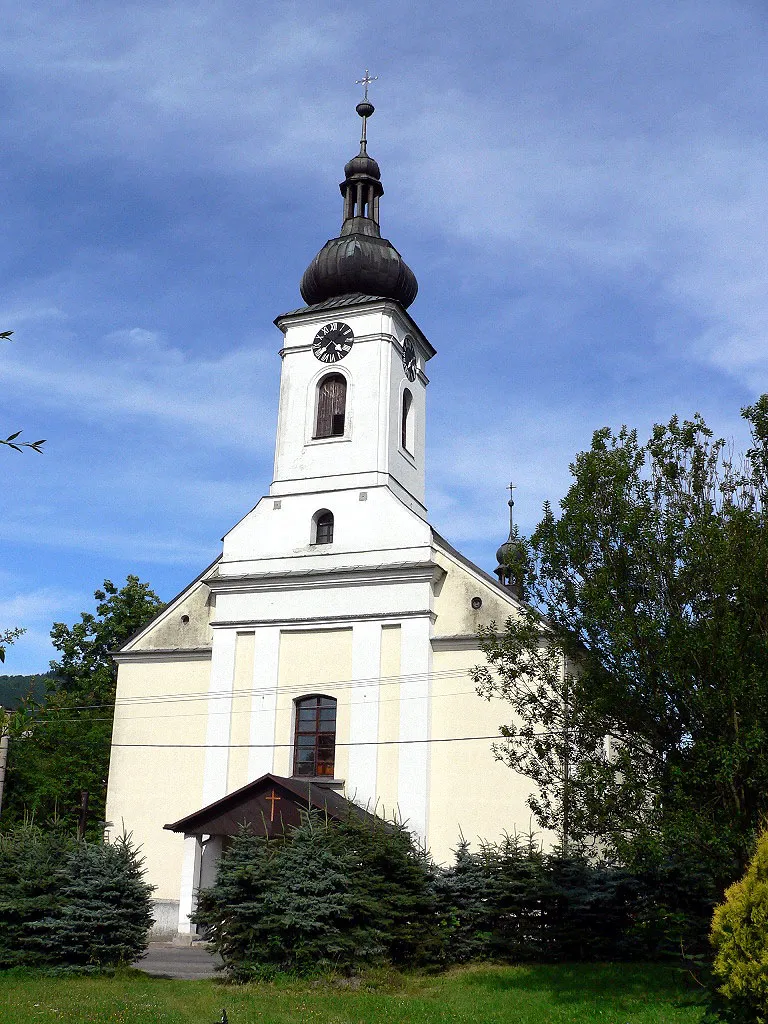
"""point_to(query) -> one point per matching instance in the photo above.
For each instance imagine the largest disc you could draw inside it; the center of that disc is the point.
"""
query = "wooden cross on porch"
(272, 799)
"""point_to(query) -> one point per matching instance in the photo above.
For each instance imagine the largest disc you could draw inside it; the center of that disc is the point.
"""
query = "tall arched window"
(315, 744)
(331, 406)
(406, 422)
(322, 527)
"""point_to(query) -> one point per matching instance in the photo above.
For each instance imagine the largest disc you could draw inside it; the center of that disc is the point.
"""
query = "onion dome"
(504, 553)
(512, 556)
(359, 260)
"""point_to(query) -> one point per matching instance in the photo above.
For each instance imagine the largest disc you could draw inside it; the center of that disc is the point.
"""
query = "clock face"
(333, 342)
(409, 358)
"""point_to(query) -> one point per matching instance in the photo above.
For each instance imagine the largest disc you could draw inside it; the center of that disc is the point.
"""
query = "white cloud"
(163, 547)
(35, 605)
(135, 374)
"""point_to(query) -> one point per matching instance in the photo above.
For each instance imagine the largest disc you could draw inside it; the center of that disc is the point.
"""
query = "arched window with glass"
(406, 422)
(315, 737)
(331, 406)
(322, 527)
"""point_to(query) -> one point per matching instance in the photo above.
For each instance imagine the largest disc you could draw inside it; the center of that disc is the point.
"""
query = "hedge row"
(348, 894)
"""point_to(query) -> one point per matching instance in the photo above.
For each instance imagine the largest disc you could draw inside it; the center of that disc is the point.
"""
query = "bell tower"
(353, 382)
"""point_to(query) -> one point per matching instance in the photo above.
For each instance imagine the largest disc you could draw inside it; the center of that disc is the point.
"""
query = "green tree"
(12, 441)
(70, 904)
(7, 636)
(63, 743)
(327, 895)
(638, 678)
(740, 939)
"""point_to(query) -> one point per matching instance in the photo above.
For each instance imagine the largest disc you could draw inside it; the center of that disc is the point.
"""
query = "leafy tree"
(638, 678)
(7, 637)
(12, 440)
(63, 742)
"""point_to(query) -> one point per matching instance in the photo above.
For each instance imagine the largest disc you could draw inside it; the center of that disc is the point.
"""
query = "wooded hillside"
(14, 688)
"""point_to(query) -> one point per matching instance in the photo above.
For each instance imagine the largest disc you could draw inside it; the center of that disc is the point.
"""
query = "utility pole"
(4, 740)
(82, 820)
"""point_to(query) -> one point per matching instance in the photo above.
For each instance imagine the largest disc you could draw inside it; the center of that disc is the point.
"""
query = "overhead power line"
(277, 746)
(181, 698)
(243, 711)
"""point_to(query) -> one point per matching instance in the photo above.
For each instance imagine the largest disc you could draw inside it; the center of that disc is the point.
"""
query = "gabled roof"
(269, 805)
(441, 542)
(165, 609)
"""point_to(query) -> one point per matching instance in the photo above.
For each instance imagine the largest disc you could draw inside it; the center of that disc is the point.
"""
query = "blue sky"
(579, 187)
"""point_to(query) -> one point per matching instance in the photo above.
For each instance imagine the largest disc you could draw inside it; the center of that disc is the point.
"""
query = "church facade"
(329, 645)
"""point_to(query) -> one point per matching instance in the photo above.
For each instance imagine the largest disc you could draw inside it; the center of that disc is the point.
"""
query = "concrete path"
(188, 963)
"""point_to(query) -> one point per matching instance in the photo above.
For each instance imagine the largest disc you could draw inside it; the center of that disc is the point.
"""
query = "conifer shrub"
(511, 902)
(740, 939)
(70, 905)
(325, 896)
(30, 882)
(344, 895)
(104, 907)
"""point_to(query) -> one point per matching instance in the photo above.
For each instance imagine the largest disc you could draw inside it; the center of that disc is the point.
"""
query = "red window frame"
(314, 748)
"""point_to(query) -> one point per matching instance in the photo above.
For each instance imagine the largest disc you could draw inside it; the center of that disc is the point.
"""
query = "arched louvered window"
(322, 527)
(315, 738)
(331, 406)
(406, 422)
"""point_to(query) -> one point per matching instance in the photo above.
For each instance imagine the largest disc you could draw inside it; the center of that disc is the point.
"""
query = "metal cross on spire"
(511, 503)
(366, 81)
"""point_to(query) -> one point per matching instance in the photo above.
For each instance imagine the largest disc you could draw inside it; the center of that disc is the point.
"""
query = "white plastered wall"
(471, 793)
(152, 784)
(369, 453)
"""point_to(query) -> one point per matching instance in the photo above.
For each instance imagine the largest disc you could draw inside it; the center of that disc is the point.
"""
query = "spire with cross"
(372, 266)
(366, 81)
(365, 108)
(511, 555)
(511, 488)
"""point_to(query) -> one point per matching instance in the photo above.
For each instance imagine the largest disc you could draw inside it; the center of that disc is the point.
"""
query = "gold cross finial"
(272, 798)
(366, 81)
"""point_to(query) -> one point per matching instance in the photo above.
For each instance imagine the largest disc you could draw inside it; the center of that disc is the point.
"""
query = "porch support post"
(190, 883)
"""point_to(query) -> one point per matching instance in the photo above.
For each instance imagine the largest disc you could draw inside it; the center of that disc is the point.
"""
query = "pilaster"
(219, 715)
(415, 697)
(264, 704)
(364, 712)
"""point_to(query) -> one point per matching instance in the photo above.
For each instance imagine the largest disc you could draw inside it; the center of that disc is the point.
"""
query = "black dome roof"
(506, 549)
(359, 259)
(362, 164)
(358, 263)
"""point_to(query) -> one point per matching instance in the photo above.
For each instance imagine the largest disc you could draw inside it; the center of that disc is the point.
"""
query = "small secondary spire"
(512, 487)
(511, 554)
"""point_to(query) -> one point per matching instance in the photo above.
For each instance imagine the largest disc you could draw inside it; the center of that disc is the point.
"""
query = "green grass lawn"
(608, 994)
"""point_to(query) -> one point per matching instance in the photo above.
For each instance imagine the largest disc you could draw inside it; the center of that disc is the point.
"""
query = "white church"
(323, 657)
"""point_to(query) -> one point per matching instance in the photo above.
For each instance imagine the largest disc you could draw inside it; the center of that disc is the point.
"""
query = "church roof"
(269, 805)
(440, 541)
(359, 259)
(353, 299)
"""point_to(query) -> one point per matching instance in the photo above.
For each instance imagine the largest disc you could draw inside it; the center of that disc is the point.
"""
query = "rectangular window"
(315, 743)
